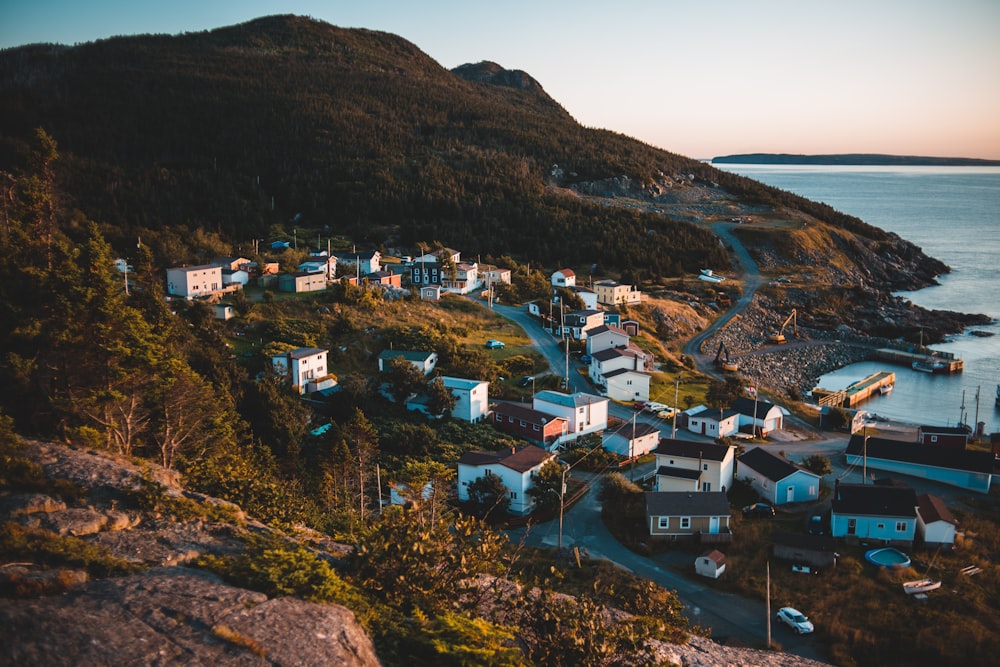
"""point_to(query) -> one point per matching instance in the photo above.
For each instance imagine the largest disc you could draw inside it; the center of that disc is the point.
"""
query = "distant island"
(860, 159)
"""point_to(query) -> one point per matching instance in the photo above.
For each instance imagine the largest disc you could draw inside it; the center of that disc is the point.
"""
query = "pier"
(943, 362)
(856, 392)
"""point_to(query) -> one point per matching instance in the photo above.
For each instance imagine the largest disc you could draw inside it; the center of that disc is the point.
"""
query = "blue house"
(874, 513)
(776, 479)
(963, 468)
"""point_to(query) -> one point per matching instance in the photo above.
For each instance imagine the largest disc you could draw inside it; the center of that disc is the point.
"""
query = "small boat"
(928, 366)
(920, 586)
(885, 389)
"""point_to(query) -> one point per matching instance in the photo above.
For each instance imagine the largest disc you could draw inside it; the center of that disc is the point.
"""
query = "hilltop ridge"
(859, 159)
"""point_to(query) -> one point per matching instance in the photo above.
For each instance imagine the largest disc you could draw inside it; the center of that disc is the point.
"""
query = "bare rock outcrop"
(177, 616)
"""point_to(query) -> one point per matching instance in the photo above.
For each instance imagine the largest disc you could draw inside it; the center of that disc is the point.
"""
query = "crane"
(725, 363)
(779, 337)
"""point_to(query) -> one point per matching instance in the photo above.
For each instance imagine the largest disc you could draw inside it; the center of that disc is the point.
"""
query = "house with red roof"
(516, 468)
(935, 522)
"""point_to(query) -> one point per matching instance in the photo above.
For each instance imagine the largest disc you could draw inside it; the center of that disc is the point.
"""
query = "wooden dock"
(948, 362)
(856, 392)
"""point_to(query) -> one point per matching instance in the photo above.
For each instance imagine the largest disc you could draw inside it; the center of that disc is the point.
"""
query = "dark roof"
(604, 328)
(920, 454)
(303, 352)
(613, 353)
(640, 429)
(745, 406)
(692, 450)
(933, 509)
(686, 503)
(772, 466)
(710, 413)
(524, 413)
(823, 543)
(679, 473)
(871, 500)
(945, 430)
(622, 371)
(520, 459)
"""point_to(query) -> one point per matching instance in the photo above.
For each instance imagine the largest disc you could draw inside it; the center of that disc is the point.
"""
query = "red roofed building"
(515, 467)
(535, 426)
(935, 522)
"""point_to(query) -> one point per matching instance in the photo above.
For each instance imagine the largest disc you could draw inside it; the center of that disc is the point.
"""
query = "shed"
(818, 551)
(710, 564)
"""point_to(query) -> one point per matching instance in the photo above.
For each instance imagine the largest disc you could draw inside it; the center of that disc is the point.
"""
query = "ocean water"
(953, 213)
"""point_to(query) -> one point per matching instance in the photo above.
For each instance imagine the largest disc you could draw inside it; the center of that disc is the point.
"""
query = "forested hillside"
(285, 121)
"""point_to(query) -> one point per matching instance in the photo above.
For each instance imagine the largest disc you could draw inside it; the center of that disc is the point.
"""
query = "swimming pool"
(887, 557)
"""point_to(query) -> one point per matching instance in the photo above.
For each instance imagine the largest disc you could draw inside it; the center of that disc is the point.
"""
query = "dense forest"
(251, 130)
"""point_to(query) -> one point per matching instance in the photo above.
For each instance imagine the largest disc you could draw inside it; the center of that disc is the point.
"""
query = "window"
(489, 473)
(664, 522)
(901, 526)
(685, 522)
(513, 495)
(933, 438)
(534, 427)
(521, 423)
(881, 526)
(704, 466)
(706, 486)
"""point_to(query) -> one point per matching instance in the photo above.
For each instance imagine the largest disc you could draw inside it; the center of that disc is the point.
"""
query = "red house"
(955, 437)
(532, 425)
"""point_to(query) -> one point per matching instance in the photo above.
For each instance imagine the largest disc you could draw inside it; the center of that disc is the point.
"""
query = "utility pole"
(677, 388)
(768, 606)
(631, 452)
(562, 505)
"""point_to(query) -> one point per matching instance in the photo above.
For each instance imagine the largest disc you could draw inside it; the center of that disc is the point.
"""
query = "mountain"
(861, 159)
(250, 130)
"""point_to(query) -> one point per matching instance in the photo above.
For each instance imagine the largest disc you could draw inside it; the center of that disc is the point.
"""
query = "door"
(790, 494)
(852, 526)
(713, 525)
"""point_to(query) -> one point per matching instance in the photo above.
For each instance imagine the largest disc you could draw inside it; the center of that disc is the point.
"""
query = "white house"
(685, 465)
(564, 278)
(714, 423)
(588, 296)
(425, 362)
(776, 479)
(305, 368)
(473, 398)
(606, 337)
(633, 439)
(605, 362)
(359, 263)
(935, 523)
(515, 467)
(192, 281)
(579, 322)
(465, 279)
(874, 512)
(223, 311)
(711, 564)
(763, 416)
(494, 275)
(626, 384)
(585, 413)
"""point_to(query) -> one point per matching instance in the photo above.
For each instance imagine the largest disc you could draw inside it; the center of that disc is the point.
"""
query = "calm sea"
(953, 213)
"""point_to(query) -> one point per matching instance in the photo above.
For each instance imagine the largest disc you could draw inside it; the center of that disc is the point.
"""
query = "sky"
(701, 78)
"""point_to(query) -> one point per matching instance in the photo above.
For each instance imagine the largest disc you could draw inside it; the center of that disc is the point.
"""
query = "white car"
(794, 619)
(655, 407)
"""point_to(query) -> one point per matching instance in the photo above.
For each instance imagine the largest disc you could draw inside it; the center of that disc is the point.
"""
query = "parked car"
(794, 619)
(493, 344)
(585, 359)
(816, 525)
(638, 405)
(525, 381)
(667, 414)
(655, 407)
(758, 510)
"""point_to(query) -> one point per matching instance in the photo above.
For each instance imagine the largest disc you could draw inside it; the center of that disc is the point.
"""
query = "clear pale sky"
(697, 77)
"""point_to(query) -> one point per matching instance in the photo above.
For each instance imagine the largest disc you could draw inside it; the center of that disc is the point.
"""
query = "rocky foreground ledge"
(163, 613)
